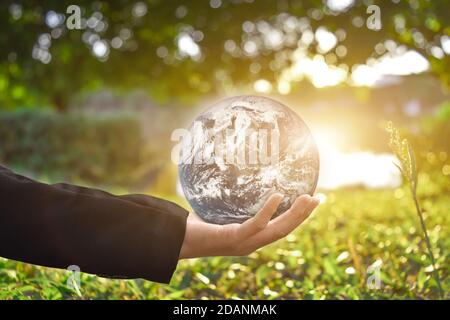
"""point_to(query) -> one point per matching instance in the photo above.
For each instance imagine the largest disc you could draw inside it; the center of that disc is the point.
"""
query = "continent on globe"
(240, 151)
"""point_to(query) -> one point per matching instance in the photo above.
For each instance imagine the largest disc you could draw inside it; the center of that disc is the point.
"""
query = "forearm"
(61, 225)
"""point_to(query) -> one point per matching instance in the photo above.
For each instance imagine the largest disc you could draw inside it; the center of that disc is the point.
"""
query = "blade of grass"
(404, 151)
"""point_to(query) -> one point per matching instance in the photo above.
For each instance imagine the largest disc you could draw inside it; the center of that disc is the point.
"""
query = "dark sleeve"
(132, 236)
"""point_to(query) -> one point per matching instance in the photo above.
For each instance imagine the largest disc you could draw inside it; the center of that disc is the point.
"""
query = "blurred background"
(96, 106)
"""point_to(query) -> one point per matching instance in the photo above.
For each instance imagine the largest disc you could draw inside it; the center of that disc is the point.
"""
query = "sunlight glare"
(262, 86)
(410, 62)
(362, 168)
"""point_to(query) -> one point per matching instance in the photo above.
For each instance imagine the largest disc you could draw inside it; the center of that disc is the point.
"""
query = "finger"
(262, 218)
(301, 210)
(285, 223)
(291, 218)
(280, 226)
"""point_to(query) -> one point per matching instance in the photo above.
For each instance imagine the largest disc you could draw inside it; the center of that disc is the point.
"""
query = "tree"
(188, 49)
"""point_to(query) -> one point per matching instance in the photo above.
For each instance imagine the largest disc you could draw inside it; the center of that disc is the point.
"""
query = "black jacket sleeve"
(132, 236)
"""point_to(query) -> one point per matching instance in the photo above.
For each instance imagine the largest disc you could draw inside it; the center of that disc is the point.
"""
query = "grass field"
(326, 258)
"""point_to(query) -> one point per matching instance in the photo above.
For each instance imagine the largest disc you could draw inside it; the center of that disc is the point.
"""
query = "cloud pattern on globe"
(239, 152)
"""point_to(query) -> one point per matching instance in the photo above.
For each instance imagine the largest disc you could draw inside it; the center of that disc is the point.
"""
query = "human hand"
(204, 239)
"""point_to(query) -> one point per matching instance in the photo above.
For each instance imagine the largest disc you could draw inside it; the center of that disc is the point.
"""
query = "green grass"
(326, 258)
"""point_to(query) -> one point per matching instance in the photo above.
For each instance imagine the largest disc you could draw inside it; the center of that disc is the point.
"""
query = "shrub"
(72, 146)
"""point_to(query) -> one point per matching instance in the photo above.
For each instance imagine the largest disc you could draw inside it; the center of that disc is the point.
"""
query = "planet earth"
(242, 150)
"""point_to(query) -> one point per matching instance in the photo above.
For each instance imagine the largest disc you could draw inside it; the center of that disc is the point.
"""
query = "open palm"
(205, 239)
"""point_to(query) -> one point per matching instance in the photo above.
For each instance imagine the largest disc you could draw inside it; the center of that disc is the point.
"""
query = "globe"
(240, 151)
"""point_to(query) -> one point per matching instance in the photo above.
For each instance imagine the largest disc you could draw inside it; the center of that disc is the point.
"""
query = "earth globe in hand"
(240, 151)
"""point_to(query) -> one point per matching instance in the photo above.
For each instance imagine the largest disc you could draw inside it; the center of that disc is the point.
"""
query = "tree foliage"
(138, 43)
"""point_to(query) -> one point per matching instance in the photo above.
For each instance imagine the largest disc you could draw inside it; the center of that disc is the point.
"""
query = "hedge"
(73, 146)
